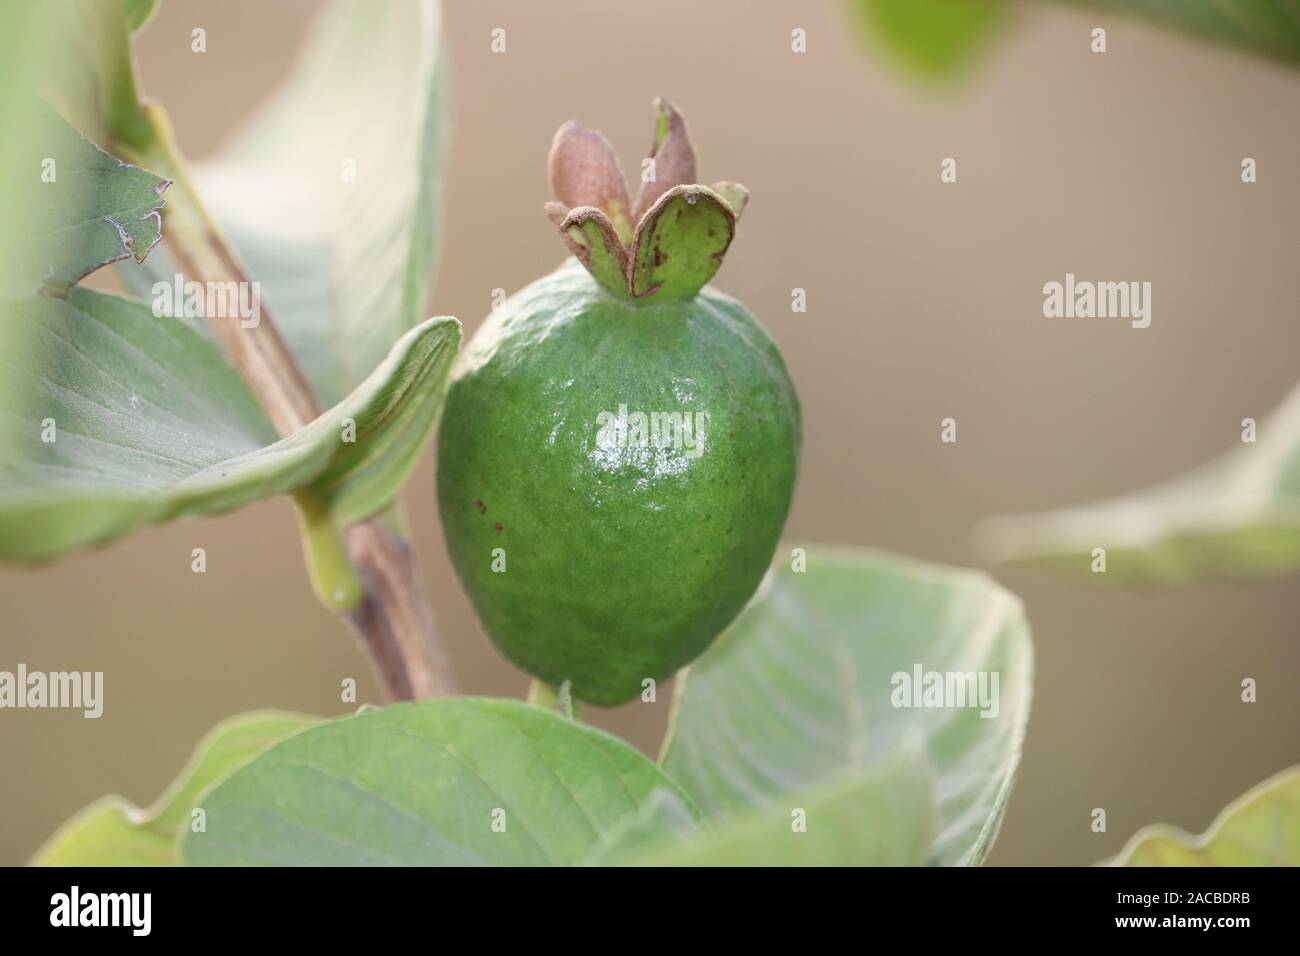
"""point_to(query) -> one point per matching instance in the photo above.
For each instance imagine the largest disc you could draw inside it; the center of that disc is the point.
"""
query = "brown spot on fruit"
(482, 508)
(498, 527)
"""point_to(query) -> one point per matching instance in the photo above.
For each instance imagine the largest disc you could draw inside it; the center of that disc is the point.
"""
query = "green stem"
(336, 583)
(548, 697)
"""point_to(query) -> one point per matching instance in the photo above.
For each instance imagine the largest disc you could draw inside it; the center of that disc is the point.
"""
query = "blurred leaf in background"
(1237, 516)
(1265, 27)
(138, 13)
(936, 39)
(1259, 828)
(940, 39)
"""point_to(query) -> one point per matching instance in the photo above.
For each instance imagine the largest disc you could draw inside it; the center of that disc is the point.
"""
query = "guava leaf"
(1268, 27)
(878, 814)
(112, 832)
(1259, 828)
(1237, 516)
(444, 782)
(117, 419)
(93, 209)
(337, 215)
(935, 38)
(800, 691)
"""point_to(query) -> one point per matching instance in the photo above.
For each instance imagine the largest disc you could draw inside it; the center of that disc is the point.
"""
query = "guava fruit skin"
(622, 563)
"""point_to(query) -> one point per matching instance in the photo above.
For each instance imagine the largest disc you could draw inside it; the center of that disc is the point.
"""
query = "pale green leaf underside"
(796, 694)
(94, 209)
(338, 218)
(1259, 828)
(112, 832)
(151, 424)
(879, 814)
(423, 784)
(1237, 516)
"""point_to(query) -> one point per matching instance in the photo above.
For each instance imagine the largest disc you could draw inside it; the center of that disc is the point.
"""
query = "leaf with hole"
(92, 209)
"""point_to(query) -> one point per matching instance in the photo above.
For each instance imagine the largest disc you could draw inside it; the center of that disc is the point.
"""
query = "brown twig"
(393, 616)
(392, 621)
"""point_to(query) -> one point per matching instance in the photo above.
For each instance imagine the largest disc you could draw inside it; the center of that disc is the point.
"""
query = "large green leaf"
(344, 264)
(1268, 27)
(1239, 515)
(937, 38)
(444, 782)
(151, 424)
(879, 814)
(112, 832)
(800, 691)
(1259, 828)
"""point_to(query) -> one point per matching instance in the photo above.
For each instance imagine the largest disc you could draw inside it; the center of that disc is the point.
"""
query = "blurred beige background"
(924, 301)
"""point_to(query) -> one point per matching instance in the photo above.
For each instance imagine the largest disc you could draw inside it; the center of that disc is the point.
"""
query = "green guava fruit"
(619, 443)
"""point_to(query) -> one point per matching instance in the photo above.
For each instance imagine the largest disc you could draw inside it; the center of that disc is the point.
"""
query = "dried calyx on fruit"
(667, 245)
(618, 449)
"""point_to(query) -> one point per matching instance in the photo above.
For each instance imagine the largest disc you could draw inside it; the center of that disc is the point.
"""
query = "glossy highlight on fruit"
(619, 445)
